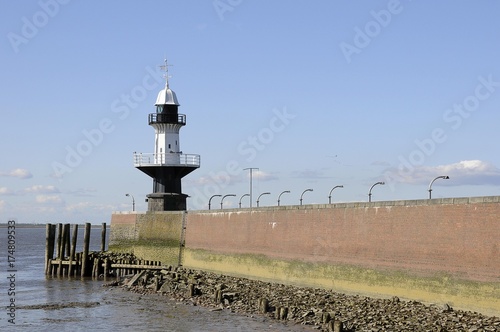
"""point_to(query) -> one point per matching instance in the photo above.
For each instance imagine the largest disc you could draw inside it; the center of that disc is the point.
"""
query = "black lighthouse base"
(167, 202)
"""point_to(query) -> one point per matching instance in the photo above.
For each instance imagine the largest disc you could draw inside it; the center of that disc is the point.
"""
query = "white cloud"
(52, 199)
(201, 181)
(222, 179)
(6, 191)
(46, 209)
(83, 192)
(42, 189)
(263, 176)
(18, 173)
(466, 172)
(78, 206)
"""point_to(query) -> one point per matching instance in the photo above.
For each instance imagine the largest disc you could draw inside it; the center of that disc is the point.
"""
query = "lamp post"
(370, 192)
(133, 201)
(330, 194)
(283, 192)
(445, 177)
(210, 200)
(250, 169)
(222, 199)
(303, 194)
(242, 197)
(258, 198)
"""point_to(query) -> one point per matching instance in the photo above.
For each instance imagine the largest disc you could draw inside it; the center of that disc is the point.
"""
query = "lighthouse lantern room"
(167, 165)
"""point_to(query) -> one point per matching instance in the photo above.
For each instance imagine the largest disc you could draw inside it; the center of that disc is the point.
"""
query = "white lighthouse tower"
(167, 165)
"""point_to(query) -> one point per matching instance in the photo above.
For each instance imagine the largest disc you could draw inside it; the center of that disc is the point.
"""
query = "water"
(62, 304)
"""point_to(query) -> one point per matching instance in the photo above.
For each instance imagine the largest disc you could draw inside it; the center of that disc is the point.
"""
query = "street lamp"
(250, 169)
(283, 192)
(266, 193)
(303, 194)
(242, 197)
(370, 192)
(133, 201)
(445, 177)
(330, 194)
(222, 199)
(210, 200)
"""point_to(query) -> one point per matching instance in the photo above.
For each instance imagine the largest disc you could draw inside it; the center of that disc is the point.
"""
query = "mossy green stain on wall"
(159, 226)
(478, 296)
(156, 237)
(167, 252)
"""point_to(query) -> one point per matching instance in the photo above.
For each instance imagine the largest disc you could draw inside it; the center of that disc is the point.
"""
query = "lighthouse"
(167, 165)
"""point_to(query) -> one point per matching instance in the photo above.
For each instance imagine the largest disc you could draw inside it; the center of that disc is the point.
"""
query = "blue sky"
(314, 94)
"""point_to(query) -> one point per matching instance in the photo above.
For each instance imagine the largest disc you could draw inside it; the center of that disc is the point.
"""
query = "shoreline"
(319, 309)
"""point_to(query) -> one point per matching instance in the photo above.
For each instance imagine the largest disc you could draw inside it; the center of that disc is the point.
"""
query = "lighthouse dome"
(166, 97)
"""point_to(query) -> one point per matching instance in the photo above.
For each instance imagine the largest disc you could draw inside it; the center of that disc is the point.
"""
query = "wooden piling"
(106, 268)
(335, 326)
(78, 264)
(325, 317)
(59, 239)
(72, 250)
(67, 249)
(86, 246)
(263, 305)
(50, 234)
(103, 237)
(191, 289)
(338, 326)
(281, 313)
(65, 245)
(96, 267)
(218, 296)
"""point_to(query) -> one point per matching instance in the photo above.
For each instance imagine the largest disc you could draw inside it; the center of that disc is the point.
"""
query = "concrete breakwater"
(442, 251)
(321, 309)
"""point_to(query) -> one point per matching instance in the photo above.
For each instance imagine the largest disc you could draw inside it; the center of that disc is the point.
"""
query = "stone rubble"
(322, 309)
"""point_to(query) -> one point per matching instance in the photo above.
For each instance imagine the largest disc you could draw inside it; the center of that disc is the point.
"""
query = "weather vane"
(165, 69)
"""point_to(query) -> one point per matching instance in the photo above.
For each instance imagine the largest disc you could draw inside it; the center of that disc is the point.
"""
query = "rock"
(308, 313)
(165, 288)
(446, 308)
(135, 279)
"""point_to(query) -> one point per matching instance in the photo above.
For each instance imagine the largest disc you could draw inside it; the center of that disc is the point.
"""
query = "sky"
(313, 94)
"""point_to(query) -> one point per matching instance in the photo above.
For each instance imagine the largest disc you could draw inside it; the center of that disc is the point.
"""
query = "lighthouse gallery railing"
(167, 118)
(166, 159)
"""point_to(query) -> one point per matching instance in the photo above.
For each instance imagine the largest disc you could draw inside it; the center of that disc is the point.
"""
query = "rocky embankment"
(321, 309)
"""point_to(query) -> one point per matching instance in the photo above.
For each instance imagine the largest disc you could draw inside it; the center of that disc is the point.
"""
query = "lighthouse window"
(169, 146)
(159, 109)
(175, 143)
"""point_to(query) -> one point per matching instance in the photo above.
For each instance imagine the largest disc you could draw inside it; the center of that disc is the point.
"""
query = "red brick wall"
(460, 237)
